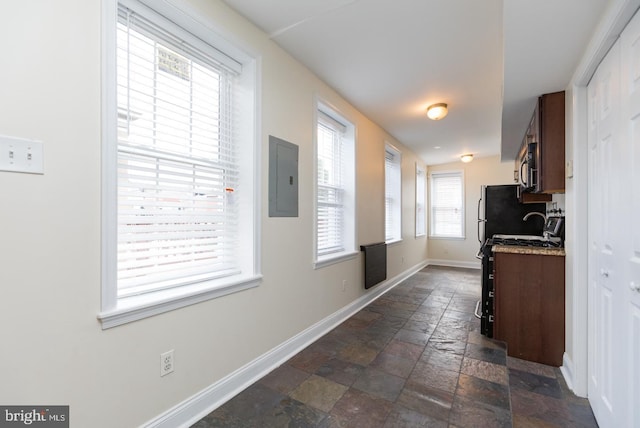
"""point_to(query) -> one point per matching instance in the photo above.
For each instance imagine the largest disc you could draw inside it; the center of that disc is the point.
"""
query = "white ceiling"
(391, 59)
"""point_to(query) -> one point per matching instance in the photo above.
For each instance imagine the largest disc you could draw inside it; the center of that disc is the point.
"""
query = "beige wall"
(481, 171)
(54, 349)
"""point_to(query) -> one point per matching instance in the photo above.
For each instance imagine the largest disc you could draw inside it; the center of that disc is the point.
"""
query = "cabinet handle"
(634, 287)
(604, 273)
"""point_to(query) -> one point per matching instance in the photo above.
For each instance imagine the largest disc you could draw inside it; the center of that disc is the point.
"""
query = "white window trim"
(117, 311)
(391, 148)
(350, 251)
(463, 209)
(420, 171)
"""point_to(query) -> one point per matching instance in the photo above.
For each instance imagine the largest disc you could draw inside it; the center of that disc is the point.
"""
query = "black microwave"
(529, 161)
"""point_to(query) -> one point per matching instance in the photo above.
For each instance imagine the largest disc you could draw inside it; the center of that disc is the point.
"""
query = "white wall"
(481, 171)
(54, 349)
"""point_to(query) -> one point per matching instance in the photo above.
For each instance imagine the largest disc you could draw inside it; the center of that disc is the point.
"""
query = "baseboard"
(455, 263)
(199, 405)
(567, 370)
(568, 373)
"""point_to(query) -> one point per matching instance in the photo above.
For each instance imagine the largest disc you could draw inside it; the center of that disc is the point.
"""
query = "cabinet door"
(529, 299)
(552, 130)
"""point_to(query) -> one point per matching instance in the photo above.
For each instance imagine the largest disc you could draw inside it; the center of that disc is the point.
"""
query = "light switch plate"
(569, 169)
(21, 155)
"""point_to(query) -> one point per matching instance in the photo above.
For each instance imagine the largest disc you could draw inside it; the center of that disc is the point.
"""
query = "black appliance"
(501, 213)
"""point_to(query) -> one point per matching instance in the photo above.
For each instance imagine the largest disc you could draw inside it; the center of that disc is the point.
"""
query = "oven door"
(486, 304)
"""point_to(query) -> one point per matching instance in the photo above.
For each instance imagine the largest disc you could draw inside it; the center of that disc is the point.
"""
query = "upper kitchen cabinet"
(551, 116)
(541, 157)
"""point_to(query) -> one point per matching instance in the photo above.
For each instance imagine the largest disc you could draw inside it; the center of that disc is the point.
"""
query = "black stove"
(524, 242)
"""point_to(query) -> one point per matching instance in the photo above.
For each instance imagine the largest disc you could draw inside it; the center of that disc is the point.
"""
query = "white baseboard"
(568, 372)
(455, 263)
(199, 405)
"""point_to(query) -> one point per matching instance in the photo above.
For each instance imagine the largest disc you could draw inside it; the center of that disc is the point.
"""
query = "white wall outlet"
(21, 155)
(344, 285)
(166, 363)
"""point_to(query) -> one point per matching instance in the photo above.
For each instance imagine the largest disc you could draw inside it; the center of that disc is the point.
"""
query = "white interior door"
(604, 113)
(614, 234)
(630, 287)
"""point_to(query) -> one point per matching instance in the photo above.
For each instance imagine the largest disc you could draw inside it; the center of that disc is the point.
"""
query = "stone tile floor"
(412, 358)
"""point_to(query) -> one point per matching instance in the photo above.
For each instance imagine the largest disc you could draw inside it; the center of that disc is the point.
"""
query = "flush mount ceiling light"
(466, 158)
(437, 111)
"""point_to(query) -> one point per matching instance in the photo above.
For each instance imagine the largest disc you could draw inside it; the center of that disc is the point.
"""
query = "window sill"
(450, 238)
(393, 241)
(333, 259)
(135, 308)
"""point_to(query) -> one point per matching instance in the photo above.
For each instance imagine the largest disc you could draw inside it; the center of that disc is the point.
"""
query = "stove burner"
(524, 242)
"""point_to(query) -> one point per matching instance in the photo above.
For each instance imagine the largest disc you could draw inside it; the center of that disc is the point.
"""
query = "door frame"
(575, 361)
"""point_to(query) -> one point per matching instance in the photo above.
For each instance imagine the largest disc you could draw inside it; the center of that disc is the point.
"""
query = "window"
(176, 165)
(447, 207)
(420, 201)
(335, 187)
(392, 194)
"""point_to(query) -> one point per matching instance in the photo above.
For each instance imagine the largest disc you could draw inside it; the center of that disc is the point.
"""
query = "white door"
(604, 114)
(630, 287)
(614, 234)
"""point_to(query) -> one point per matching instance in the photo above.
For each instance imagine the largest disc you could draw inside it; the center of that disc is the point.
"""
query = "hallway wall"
(55, 350)
(481, 171)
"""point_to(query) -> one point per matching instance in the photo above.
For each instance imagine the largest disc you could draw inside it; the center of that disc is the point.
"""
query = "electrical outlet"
(166, 363)
(344, 285)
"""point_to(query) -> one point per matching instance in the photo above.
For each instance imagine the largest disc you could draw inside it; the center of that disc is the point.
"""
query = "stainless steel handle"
(522, 180)
(480, 220)
(634, 287)
(604, 273)
(477, 309)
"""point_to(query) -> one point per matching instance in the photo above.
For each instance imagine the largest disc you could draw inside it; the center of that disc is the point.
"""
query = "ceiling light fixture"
(437, 111)
(466, 158)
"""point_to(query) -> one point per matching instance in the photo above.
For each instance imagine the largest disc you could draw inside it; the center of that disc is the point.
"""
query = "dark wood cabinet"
(552, 142)
(530, 306)
(547, 128)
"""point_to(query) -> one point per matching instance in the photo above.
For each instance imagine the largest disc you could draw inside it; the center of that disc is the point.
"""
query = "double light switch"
(21, 155)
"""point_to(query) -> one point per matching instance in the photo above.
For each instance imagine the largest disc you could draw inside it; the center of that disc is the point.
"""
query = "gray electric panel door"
(283, 178)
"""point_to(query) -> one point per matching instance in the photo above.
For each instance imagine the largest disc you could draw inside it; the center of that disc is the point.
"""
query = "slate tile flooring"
(413, 358)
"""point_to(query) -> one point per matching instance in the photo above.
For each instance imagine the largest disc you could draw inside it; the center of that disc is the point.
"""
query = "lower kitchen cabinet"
(529, 305)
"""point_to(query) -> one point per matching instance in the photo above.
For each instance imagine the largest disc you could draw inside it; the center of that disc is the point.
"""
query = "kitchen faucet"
(526, 217)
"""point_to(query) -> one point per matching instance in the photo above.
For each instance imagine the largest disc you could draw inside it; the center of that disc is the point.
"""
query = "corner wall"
(481, 171)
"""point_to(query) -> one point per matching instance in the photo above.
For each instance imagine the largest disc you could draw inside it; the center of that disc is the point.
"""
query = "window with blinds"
(393, 194)
(447, 208)
(334, 185)
(177, 180)
(420, 201)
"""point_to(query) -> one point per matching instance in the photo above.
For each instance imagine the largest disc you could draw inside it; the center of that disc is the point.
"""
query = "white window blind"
(177, 166)
(393, 192)
(420, 201)
(447, 204)
(330, 185)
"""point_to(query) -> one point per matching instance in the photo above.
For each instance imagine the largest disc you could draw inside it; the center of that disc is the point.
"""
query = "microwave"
(529, 177)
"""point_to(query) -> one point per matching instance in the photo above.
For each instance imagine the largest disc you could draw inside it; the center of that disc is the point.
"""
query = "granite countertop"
(541, 251)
